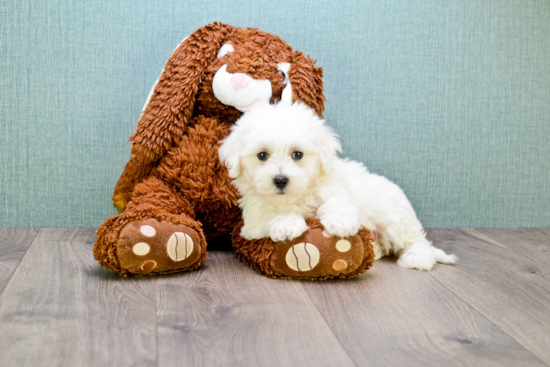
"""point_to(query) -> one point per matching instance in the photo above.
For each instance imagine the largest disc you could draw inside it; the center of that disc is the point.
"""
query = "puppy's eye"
(285, 75)
(263, 156)
(297, 155)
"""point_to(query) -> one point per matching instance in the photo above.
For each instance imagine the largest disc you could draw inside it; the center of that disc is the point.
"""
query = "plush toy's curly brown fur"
(174, 174)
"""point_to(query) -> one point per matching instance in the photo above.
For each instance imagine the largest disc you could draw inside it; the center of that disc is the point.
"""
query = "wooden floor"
(59, 308)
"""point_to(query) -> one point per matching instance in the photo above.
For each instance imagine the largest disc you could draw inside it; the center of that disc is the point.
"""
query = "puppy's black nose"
(280, 181)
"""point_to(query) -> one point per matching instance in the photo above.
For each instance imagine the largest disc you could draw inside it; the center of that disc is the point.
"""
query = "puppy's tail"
(443, 258)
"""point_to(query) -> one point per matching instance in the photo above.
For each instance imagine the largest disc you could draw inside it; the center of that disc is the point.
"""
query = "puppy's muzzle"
(280, 181)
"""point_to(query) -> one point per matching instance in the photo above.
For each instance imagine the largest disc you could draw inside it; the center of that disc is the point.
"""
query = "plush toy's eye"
(285, 80)
(225, 49)
(263, 156)
(297, 155)
(283, 68)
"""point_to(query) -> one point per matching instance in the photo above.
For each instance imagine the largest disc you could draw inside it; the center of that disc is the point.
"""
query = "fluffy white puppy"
(283, 159)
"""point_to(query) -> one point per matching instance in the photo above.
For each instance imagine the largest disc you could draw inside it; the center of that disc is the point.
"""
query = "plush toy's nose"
(280, 181)
(240, 81)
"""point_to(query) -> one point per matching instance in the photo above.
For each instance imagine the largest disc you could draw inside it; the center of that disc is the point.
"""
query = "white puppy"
(283, 159)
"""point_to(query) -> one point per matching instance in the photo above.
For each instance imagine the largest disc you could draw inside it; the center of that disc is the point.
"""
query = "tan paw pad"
(340, 265)
(149, 265)
(343, 245)
(141, 248)
(179, 246)
(302, 257)
(148, 231)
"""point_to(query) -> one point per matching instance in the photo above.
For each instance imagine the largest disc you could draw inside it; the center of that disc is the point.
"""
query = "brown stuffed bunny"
(174, 196)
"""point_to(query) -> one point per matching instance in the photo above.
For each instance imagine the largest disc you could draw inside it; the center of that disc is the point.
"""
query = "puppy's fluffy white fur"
(339, 192)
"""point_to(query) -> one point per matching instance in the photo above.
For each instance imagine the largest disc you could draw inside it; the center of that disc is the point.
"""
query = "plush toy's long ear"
(307, 82)
(171, 104)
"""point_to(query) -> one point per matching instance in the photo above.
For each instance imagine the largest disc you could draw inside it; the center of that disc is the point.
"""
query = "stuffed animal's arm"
(134, 173)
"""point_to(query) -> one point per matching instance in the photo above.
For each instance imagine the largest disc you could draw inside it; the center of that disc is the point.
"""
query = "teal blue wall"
(450, 99)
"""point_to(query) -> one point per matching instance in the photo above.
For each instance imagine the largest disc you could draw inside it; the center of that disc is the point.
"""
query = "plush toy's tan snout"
(240, 90)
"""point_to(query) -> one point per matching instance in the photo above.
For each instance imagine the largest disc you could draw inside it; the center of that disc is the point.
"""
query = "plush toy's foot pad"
(315, 254)
(149, 246)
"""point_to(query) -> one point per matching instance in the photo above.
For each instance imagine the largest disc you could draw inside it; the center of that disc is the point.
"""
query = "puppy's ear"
(163, 120)
(229, 153)
(307, 82)
(330, 146)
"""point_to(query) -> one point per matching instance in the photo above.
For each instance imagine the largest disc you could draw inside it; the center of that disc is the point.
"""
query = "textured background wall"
(450, 99)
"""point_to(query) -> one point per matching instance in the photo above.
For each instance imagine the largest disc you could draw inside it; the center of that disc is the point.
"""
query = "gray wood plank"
(14, 242)
(391, 316)
(533, 243)
(61, 309)
(227, 314)
(503, 284)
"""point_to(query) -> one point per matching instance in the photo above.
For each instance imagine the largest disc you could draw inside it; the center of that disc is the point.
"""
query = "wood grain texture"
(227, 314)
(504, 285)
(14, 243)
(533, 243)
(393, 316)
(60, 309)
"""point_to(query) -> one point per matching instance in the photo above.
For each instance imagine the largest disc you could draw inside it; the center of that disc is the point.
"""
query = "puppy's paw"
(287, 227)
(340, 217)
(341, 225)
(418, 256)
